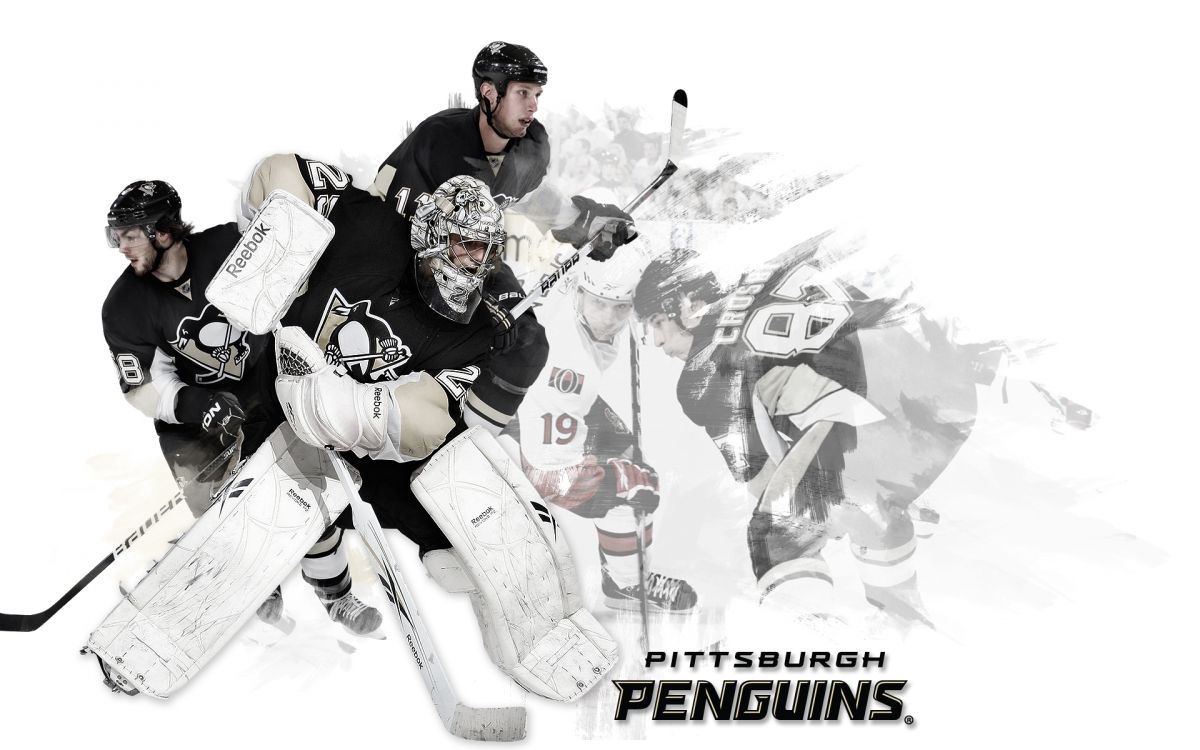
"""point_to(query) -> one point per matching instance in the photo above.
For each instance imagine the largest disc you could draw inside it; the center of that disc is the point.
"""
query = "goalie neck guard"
(458, 234)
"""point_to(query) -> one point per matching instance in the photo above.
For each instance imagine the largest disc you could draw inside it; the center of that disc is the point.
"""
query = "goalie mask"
(457, 233)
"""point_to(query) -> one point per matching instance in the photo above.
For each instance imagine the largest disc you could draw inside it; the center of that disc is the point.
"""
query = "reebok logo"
(245, 250)
(376, 406)
(483, 516)
(299, 500)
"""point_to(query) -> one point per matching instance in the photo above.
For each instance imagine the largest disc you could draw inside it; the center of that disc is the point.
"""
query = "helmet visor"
(131, 234)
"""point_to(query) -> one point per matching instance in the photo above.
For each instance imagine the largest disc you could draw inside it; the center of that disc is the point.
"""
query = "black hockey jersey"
(773, 352)
(363, 309)
(449, 144)
(498, 393)
(168, 335)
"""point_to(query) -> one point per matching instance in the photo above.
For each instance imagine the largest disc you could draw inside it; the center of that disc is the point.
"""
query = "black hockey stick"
(635, 382)
(27, 623)
(678, 120)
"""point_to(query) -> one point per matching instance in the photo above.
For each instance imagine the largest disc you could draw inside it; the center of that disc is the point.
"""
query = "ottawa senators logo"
(213, 343)
(363, 342)
(566, 381)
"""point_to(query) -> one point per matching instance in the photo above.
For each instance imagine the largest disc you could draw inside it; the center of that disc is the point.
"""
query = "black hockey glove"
(504, 324)
(218, 413)
(636, 485)
(614, 225)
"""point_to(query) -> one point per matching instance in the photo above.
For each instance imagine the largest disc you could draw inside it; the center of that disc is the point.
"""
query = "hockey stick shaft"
(413, 625)
(678, 120)
(27, 623)
(635, 387)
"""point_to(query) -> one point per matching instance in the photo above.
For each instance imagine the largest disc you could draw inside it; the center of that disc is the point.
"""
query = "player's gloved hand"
(218, 413)
(615, 228)
(635, 485)
(569, 487)
(503, 323)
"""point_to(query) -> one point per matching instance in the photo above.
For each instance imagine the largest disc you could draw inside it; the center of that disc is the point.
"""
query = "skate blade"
(630, 605)
(285, 624)
(375, 635)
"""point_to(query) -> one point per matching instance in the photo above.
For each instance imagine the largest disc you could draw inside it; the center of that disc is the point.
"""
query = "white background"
(1034, 163)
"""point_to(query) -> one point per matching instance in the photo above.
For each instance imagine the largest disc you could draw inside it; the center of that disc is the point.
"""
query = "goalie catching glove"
(400, 420)
(615, 228)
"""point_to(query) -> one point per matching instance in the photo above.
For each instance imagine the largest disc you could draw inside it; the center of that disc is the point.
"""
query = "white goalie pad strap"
(271, 263)
(214, 578)
(522, 578)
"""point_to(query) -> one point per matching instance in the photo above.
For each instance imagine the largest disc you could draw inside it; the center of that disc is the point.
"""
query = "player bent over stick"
(574, 445)
(400, 314)
(838, 411)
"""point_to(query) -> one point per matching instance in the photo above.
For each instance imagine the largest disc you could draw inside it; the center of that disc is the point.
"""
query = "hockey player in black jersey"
(415, 300)
(410, 304)
(182, 363)
(837, 411)
(178, 360)
(501, 143)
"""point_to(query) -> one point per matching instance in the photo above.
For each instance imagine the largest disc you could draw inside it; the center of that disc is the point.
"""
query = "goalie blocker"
(510, 557)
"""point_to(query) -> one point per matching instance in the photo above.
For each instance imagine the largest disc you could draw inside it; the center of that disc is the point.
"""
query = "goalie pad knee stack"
(516, 566)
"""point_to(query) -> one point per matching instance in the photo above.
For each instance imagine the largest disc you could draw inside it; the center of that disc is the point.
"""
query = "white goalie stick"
(27, 623)
(489, 724)
(678, 121)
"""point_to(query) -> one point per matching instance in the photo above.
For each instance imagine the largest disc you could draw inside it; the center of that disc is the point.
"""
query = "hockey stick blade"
(674, 146)
(27, 623)
(488, 724)
(485, 724)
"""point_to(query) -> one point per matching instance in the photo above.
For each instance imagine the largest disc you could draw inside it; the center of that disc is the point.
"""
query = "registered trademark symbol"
(909, 720)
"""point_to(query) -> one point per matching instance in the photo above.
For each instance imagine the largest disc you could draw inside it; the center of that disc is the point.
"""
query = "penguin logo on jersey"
(364, 343)
(213, 343)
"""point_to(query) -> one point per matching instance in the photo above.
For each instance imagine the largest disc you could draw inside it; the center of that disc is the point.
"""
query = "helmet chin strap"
(489, 114)
(159, 251)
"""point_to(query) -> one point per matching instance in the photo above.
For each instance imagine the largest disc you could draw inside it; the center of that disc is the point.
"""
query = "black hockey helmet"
(501, 62)
(671, 278)
(150, 204)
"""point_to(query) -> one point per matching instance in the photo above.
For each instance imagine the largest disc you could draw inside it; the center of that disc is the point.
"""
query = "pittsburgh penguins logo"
(213, 343)
(364, 343)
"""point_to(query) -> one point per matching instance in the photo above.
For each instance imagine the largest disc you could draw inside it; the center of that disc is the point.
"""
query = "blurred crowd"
(610, 159)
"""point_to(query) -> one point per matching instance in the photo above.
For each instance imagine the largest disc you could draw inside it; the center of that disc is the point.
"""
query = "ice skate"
(663, 594)
(357, 617)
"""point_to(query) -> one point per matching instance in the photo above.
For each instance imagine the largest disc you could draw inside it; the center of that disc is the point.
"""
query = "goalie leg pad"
(521, 576)
(213, 579)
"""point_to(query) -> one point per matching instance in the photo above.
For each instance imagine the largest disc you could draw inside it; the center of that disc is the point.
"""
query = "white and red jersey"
(554, 425)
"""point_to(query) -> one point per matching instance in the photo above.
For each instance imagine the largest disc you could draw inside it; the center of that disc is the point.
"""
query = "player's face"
(603, 317)
(470, 255)
(673, 339)
(137, 249)
(517, 108)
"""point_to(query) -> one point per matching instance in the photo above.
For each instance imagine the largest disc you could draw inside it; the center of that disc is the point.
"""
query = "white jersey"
(552, 418)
